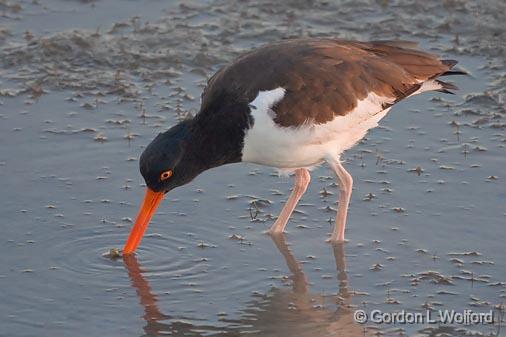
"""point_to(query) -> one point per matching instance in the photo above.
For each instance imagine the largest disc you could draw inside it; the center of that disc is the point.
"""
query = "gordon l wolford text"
(466, 317)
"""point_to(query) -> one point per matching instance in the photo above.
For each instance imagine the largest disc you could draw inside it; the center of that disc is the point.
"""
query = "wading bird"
(289, 105)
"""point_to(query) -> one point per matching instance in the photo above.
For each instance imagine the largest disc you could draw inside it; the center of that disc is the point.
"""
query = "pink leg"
(302, 179)
(345, 186)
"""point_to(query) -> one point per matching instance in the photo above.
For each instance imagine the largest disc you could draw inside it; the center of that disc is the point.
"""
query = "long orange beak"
(148, 209)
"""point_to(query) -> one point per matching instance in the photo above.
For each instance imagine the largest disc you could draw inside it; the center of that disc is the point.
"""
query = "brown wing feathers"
(325, 77)
(421, 65)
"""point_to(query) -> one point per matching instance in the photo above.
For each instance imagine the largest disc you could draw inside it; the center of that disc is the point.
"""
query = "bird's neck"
(217, 136)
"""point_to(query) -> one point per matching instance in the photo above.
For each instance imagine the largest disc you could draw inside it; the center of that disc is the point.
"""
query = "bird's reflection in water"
(295, 312)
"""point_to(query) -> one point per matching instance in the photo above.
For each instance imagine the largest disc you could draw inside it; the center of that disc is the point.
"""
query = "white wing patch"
(269, 144)
(430, 85)
(265, 100)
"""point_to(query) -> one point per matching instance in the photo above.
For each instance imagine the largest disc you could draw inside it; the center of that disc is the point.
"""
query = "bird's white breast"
(309, 144)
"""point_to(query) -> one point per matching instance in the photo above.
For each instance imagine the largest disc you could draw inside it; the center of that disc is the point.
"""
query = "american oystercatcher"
(289, 105)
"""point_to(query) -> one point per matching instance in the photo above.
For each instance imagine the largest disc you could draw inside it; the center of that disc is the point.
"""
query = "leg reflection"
(344, 295)
(304, 313)
(300, 283)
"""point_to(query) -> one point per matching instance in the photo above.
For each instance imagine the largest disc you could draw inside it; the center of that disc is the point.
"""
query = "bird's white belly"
(284, 155)
(269, 144)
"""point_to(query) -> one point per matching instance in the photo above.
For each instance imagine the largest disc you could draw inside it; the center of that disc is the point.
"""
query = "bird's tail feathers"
(450, 64)
(446, 87)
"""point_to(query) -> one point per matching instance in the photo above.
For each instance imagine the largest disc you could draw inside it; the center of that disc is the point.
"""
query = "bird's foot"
(334, 240)
(273, 232)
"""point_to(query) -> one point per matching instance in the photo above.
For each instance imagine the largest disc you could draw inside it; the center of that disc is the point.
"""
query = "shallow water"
(87, 89)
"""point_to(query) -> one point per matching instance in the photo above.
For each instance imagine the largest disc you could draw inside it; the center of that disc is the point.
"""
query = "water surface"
(84, 86)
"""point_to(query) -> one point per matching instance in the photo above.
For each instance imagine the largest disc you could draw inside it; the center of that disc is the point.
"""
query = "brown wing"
(325, 77)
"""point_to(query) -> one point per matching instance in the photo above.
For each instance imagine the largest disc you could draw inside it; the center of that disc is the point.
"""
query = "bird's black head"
(165, 163)
(214, 137)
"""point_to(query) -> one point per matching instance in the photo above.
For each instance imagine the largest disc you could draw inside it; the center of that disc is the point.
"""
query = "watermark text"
(466, 317)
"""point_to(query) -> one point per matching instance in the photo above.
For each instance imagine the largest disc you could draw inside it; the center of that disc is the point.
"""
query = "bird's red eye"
(166, 175)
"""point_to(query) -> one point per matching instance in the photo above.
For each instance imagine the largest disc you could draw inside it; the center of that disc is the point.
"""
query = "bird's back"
(325, 78)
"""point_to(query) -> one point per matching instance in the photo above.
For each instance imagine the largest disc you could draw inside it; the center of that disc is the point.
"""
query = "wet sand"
(85, 85)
